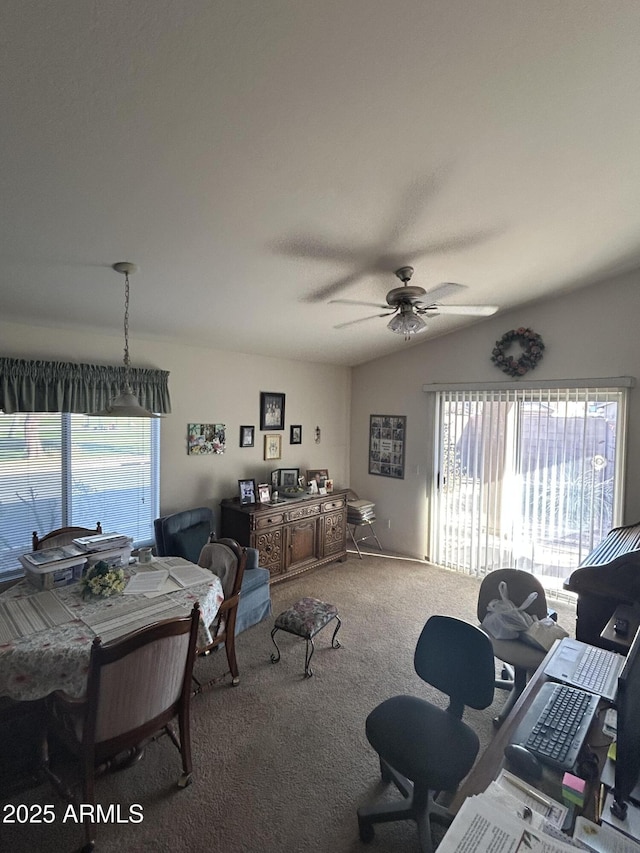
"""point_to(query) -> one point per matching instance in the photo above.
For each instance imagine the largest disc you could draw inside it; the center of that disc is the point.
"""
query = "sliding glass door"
(528, 478)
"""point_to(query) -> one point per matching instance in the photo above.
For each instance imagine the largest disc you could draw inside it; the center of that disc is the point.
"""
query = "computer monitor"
(627, 770)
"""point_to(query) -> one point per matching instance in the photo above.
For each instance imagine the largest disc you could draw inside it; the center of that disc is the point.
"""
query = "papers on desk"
(168, 575)
(484, 825)
(22, 616)
(603, 839)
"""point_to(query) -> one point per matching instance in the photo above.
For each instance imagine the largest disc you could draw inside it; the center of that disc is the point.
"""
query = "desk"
(617, 642)
(492, 760)
(33, 666)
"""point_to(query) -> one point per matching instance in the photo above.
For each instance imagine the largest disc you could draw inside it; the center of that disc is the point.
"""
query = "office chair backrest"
(519, 583)
(456, 658)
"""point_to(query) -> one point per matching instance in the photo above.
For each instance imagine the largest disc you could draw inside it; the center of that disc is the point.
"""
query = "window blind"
(62, 469)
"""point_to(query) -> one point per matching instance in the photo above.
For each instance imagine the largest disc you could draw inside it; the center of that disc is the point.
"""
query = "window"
(529, 477)
(62, 469)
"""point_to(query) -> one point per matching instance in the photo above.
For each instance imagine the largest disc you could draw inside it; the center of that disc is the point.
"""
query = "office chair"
(135, 687)
(61, 536)
(226, 559)
(519, 658)
(422, 748)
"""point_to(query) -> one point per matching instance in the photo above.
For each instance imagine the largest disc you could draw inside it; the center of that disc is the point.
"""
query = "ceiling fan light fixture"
(125, 404)
(406, 322)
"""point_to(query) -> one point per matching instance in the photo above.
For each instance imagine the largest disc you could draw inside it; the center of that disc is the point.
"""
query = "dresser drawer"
(263, 522)
(299, 512)
(333, 504)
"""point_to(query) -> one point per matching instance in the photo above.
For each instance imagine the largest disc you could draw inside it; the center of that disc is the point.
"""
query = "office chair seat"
(422, 742)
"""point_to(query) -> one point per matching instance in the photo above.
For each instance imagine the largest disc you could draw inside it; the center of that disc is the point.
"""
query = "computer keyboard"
(559, 727)
(593, 669)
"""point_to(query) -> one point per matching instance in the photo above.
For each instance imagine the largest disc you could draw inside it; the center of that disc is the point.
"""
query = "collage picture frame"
(387, 436)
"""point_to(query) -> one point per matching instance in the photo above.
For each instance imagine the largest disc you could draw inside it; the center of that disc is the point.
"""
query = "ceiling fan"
(407, 304)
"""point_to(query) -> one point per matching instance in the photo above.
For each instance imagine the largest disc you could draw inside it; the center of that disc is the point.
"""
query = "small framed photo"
(264, 493)
(295, 434)
(247, 492)
(247, 436)
(329, 486)
(271, 410)
(289, 478)
(319, 475)
(272, 446)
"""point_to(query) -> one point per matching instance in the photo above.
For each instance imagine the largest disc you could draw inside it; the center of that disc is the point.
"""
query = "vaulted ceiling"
(258, 159)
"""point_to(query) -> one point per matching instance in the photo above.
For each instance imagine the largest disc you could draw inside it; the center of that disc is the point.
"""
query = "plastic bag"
(542, 633)
(505, 621)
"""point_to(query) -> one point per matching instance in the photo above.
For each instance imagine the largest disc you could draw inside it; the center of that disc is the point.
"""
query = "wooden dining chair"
(226, 559)
(62, 536)
(136, 686)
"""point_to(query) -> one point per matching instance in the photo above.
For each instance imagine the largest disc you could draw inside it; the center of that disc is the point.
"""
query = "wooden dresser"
(293, 535)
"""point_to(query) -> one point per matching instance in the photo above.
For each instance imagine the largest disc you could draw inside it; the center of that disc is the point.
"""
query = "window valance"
(58, 386)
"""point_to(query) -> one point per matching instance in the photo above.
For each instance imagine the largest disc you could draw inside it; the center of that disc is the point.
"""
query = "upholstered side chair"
(226, 559)
(136, 686)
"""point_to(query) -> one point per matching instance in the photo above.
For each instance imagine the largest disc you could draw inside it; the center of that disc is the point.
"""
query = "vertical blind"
(527, 477)
(68, 469)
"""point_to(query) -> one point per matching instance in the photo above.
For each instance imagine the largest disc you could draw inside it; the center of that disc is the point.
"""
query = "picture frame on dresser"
(247, 489)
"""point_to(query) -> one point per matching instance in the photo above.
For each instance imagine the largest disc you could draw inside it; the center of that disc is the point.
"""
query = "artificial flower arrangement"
(102, 580)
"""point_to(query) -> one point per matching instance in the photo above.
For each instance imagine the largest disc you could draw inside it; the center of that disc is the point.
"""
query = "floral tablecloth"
(31, 667)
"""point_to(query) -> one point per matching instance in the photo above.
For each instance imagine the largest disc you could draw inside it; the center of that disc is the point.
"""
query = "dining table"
(46, 636)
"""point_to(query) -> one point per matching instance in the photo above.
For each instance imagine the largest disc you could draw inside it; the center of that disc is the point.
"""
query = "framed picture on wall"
(271, 410)
(247, 436)
(295, 435)
(272, 446)
(387, 436)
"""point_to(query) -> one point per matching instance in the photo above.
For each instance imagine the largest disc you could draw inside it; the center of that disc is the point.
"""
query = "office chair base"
(515, 685)
(418, 805)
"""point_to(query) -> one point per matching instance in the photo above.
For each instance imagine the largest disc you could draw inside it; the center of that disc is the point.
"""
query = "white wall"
(211, 386)
(589, 333)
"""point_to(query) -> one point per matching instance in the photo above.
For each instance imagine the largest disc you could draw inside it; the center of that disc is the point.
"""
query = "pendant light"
(126, 404)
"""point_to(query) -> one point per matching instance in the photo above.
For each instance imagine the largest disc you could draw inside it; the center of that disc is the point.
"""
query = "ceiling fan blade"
(356, 302)
(471, 310)
(441, 291)
(362, 319)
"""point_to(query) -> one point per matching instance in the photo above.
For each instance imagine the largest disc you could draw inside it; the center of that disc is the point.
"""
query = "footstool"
(304, 619)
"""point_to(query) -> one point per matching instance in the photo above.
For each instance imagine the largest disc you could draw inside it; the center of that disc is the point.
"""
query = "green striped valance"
(58, 386)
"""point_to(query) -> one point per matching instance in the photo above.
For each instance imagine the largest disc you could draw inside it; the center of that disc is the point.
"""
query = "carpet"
(281, 762)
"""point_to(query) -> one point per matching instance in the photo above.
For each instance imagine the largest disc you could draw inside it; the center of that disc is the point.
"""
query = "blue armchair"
(184, 534)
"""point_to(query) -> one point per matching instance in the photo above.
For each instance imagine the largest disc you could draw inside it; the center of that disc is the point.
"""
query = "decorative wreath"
(532, 346)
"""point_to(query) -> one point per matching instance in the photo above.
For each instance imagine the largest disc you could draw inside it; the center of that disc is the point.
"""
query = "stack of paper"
(62, 557)
(103, 542)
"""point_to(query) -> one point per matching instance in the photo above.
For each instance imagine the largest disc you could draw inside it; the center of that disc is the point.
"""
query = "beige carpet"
(281, 763)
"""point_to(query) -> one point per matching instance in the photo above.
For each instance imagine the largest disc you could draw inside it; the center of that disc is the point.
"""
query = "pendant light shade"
(125, 404)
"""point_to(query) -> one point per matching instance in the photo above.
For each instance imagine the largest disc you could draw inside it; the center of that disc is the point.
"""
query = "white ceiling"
(256, 158)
